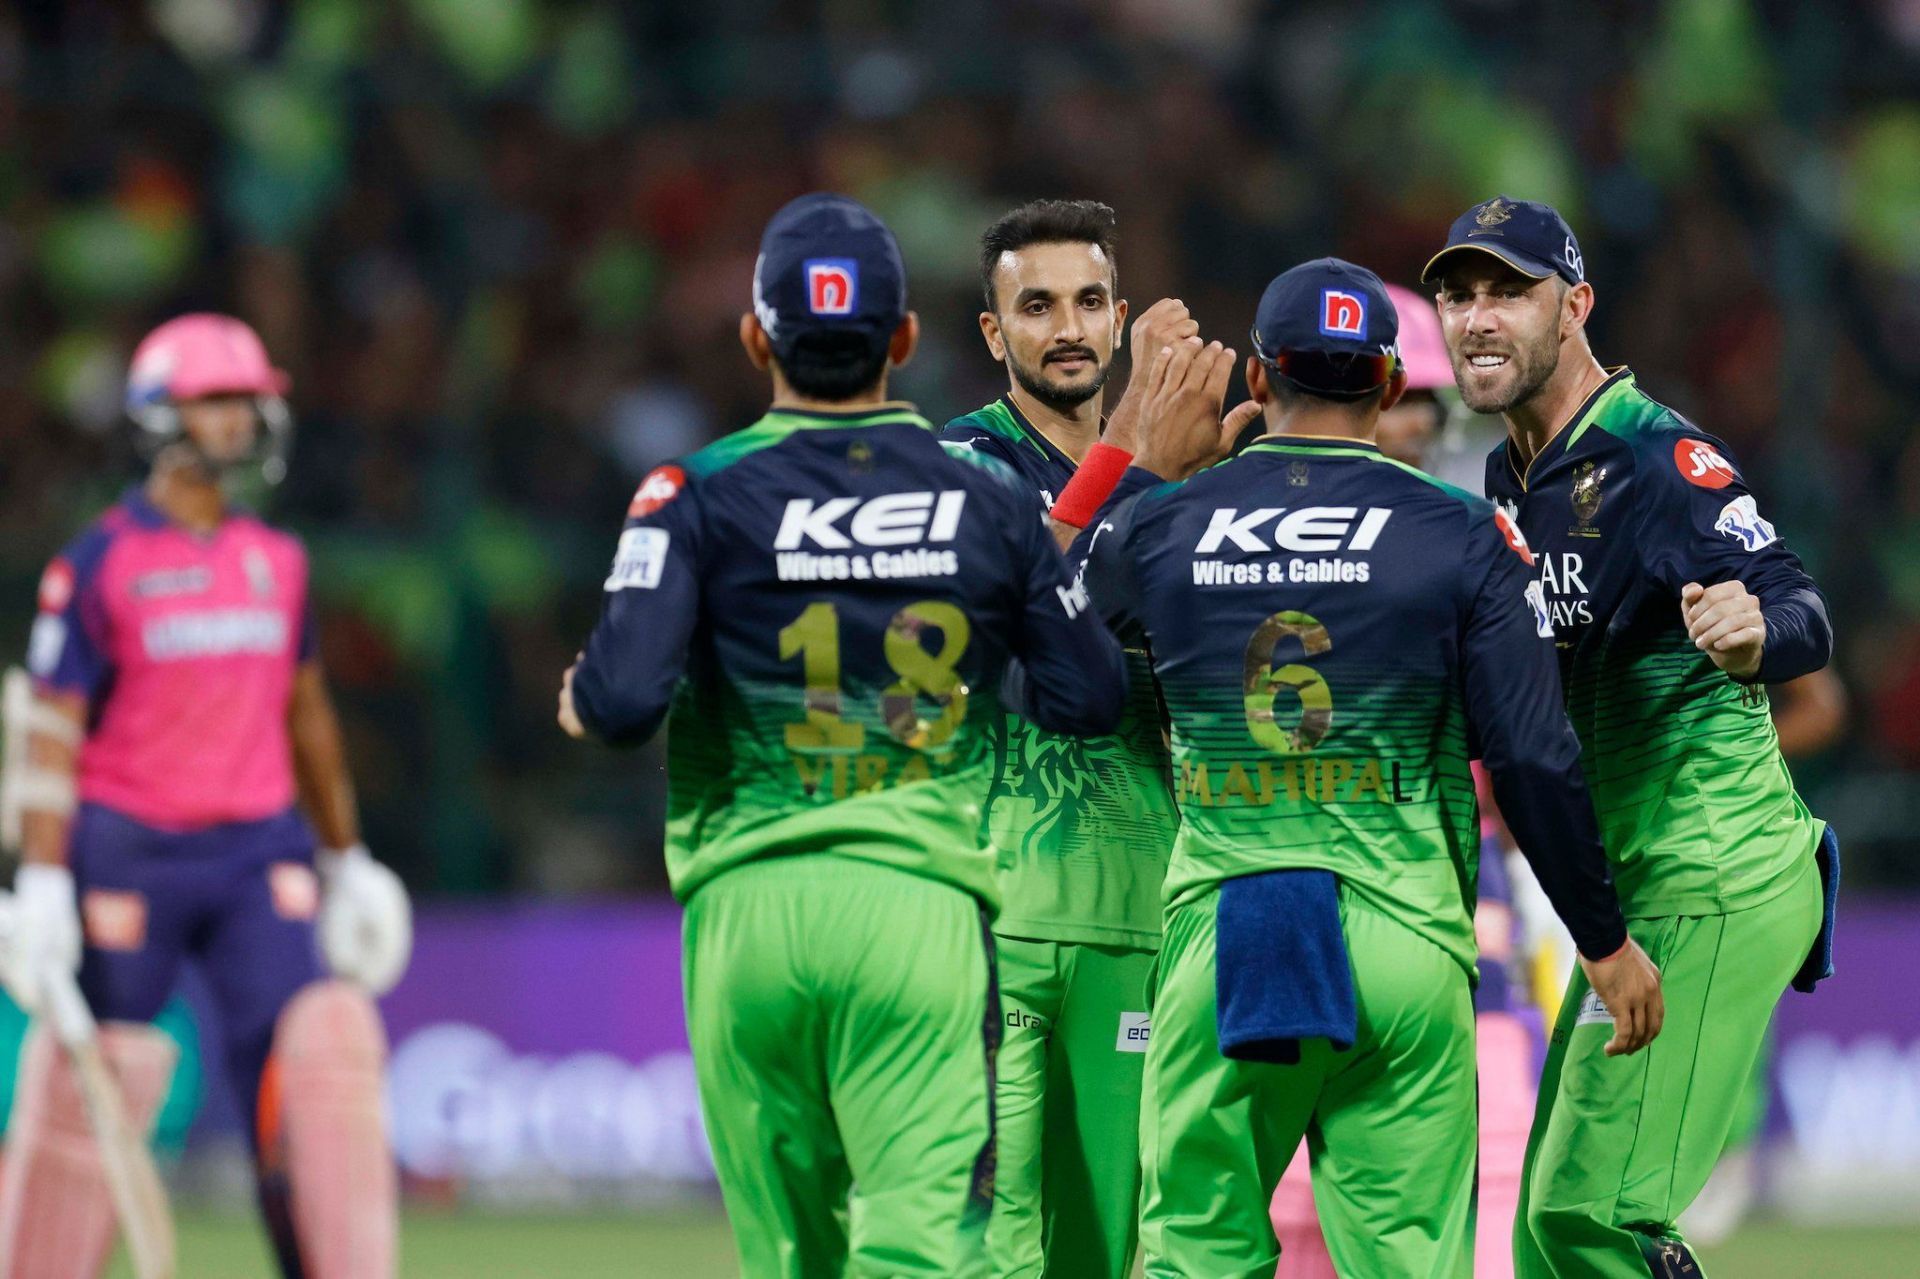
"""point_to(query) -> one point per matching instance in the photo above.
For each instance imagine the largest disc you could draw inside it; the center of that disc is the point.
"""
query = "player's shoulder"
(990, 425)
(85, 550)
(1666, 445)
(270, 536)
(989, 466)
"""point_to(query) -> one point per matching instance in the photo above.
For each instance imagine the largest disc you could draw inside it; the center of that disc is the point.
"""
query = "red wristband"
(1091, 484)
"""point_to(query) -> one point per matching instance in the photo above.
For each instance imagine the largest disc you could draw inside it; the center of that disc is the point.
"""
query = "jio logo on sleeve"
(1342, 314)
(833, 285)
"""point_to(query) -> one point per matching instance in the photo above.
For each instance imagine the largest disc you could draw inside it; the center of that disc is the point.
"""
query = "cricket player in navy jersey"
(1080, 827)
(1673, 601)
(1335, 635)
(824, 607)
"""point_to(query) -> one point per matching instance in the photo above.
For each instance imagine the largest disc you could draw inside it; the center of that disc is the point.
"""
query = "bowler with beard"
(1674, 602)
(1080, 827)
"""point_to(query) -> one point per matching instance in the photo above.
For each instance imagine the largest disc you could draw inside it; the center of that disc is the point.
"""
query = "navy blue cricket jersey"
(1336, 635)
(823, 607)
(1624, 507)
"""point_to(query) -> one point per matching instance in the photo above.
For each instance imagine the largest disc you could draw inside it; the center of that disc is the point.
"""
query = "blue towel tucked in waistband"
(1280, 965)
(1819, 965)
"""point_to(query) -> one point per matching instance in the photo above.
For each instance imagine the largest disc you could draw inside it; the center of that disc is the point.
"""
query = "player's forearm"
(1809, 713)
(1799, 636)
(46, 790)
(1549, 812)
(45, 837)
(626, 715)
(320, 765)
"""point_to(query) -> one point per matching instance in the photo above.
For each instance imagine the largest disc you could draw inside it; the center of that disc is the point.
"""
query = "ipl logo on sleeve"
(833, 285)
(1342, 314)
(1741, 520)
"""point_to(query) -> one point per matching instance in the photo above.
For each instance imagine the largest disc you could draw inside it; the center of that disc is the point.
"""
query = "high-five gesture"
(1180, 424)
(1162, 324)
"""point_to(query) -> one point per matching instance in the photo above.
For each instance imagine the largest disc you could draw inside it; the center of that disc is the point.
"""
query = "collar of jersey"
(1038, 438)
(140, 508)
(1569, 435)
(144, 514)
(1313, 444)
(893, 411)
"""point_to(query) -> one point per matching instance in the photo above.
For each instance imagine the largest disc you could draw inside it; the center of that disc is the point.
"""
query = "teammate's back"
(860, 594)
(1334, 635)
(1326, 623)
(827, 609)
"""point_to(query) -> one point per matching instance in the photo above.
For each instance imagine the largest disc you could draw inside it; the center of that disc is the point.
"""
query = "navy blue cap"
(1328, 326)
(826, 263)
(1528, 236)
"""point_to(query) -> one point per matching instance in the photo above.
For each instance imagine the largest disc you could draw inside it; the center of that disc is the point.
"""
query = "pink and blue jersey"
(185, 646)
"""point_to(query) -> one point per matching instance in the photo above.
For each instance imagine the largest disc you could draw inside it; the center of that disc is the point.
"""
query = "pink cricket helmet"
(1423, 351)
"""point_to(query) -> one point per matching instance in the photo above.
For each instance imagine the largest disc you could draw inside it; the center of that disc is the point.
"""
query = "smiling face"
(1055, 321)
(1503, 329)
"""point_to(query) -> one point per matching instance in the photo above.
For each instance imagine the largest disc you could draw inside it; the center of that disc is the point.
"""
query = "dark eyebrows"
(1027, 296)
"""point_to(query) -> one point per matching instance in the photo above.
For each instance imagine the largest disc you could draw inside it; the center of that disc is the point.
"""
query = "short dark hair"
(833, 365)
(1289, 395)
(1046, 222)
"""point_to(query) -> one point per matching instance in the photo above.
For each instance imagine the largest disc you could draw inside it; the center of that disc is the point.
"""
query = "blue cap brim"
(1531, 267)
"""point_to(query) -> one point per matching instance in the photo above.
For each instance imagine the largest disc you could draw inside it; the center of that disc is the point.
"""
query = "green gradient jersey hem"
(1627, 504)
(1080, 828)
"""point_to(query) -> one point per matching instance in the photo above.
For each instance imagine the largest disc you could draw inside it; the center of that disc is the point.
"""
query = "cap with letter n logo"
(1342, 314)
(833, 285)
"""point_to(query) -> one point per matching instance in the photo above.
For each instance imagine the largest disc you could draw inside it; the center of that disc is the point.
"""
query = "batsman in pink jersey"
(182, 754)
(1504, 1046)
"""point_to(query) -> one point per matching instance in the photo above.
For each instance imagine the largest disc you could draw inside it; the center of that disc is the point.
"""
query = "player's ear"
(996, 341)
(1575, 308)
(754, 339)
(1258, 389)
(905, 341)
(1396, 387)
(1119, 321)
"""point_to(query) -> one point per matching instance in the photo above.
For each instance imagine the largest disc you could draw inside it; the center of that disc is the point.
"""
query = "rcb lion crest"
(1586, 491)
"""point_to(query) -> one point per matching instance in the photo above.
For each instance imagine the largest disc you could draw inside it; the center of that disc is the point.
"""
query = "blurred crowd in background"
(502, 246)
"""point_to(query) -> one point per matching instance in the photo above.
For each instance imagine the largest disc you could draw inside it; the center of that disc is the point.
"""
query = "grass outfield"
(693, 1244)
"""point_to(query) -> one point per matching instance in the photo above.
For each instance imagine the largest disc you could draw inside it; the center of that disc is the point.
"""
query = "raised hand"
(1162, 324)
(1180, 424)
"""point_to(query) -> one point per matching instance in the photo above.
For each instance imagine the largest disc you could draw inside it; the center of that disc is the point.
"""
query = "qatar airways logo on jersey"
(225, 632)
(1563, 581)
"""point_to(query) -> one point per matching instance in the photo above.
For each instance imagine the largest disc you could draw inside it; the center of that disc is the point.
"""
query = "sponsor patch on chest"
(1135, 1030)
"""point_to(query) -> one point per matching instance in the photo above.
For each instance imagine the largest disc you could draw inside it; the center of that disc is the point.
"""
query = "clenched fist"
(1724, 622)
